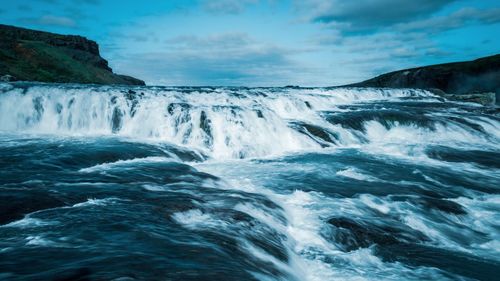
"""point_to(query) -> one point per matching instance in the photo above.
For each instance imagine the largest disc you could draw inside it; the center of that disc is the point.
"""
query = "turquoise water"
(159, 183)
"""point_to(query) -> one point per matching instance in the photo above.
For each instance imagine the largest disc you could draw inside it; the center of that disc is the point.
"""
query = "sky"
(268, 42)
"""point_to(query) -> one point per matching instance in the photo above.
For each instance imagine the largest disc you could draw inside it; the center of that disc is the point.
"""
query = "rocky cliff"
(30, 55)
(476, 81)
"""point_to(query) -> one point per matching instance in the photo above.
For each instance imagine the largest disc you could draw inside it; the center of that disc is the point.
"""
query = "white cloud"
(227, 6)
(217, 59)
(364, 15)
(51, 20)
(454, 20)
(340, 42)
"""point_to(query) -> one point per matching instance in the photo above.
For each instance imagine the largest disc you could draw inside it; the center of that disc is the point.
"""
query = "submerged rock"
(351, 235)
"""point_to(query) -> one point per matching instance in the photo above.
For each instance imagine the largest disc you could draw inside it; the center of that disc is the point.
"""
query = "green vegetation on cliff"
(30, 55)
(475, 81)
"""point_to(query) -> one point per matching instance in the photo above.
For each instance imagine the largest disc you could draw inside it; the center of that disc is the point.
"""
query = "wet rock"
(130, 94)
(488, 98)
(443, 205)
(133, 100)
(59, 108)
(116, 120)
(174, 106)
(38, 106)
(316, 132)
(484, 98)
(351, 235)
(206, 126)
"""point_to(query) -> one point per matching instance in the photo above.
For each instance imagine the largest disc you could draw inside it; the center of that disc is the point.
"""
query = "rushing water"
(155, 183)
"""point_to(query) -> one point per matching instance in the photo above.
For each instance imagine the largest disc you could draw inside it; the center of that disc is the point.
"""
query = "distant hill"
(477, 80)
(30, 55)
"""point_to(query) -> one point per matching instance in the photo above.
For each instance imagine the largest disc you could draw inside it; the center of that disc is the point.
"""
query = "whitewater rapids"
(203, 183)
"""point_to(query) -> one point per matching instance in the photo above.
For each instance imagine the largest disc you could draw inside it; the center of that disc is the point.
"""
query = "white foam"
(195, 219)
(28, 222)
(151, 187)
(312, 257)
(122, 163)
(253, 125)
(247, 125)
(375, 203)
(355, 174)
(264, 256)
(96, 202)
(41, 241)
(483, 215)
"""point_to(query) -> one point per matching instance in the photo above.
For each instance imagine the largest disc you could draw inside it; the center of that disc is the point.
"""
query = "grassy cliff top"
(30, 55)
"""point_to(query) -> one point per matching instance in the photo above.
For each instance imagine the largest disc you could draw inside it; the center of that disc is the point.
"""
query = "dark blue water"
(114, 183)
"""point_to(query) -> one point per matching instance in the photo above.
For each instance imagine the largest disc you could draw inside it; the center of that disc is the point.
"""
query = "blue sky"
(269, 42)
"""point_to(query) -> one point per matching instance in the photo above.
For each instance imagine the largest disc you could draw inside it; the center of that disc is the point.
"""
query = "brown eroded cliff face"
(476, 81)
(30, 55)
